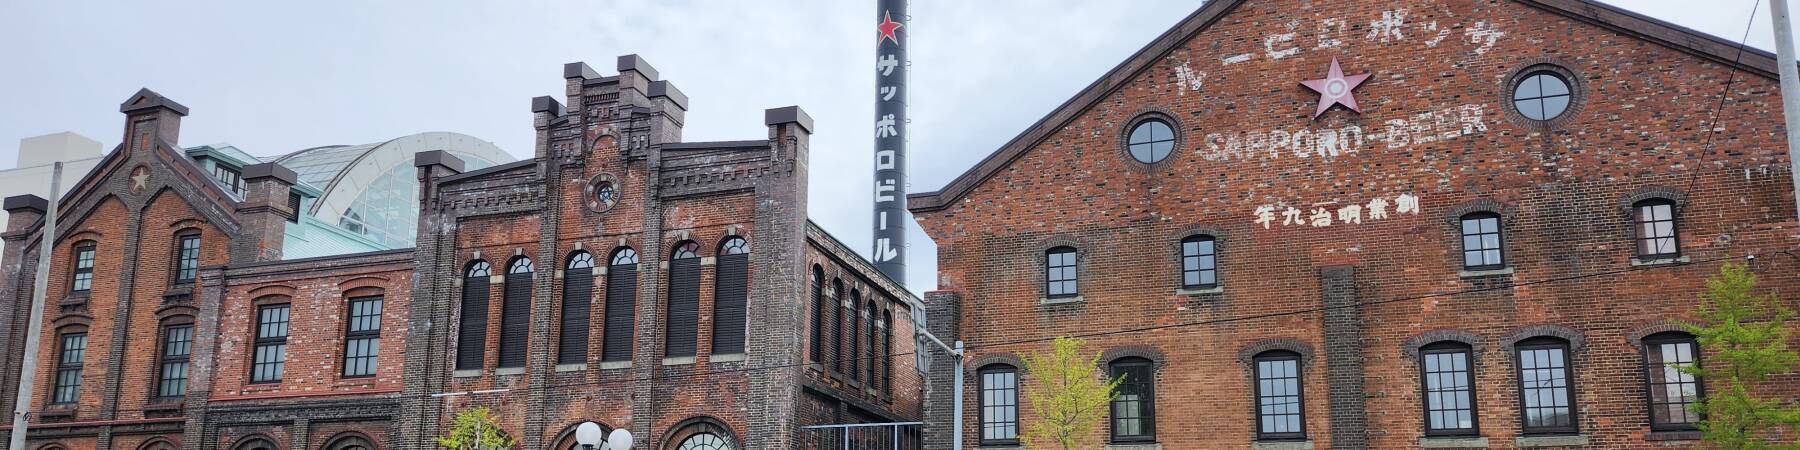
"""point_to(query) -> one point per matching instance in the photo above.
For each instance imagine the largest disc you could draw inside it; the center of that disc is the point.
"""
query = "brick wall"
(1563, 189)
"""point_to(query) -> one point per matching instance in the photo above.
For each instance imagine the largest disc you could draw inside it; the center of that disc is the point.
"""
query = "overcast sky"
(275, 77)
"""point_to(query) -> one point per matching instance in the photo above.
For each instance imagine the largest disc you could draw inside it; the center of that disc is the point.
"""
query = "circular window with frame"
(603, 193)
(1543, 94)
(1151, 138)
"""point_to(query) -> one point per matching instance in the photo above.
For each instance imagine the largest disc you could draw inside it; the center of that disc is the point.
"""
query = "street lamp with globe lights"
(589, 435)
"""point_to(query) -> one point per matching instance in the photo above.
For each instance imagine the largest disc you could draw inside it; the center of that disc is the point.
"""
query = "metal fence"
(866, 436)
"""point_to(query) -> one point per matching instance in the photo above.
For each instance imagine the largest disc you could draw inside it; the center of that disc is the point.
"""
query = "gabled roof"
(1595, 13)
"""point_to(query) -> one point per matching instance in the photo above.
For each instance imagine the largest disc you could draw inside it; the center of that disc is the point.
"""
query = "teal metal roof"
(309, 238)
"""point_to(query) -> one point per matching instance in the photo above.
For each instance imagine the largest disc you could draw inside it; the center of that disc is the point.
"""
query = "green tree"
(1746, 336)
(1068, 396)
(476, 429)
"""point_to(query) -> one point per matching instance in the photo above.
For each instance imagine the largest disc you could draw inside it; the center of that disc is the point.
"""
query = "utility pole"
(1790, 90)
(28, 367)
(955, 351)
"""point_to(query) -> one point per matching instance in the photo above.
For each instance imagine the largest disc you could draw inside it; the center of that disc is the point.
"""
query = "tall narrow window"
(1280, 406)
(515, 313)
(837, 325)
(999, 405)
(172, 371)
(1481, 241)
(578, 300)
(731, 290)
(1545, 396)
(362, 337)
(855, 336)
(270, 355)
(1674, 395)
(1134, 403)
(1449, 394)
(818, 317)
(621, 305)
(68, 368)
(1656, 233)
(1059, 272)
(887, 353)
(84, 267)
(471, 335)
(187, 257)
(683, 328)
(1199, 263)
(872, 316)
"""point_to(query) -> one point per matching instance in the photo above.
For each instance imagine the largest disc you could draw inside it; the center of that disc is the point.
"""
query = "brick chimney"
(264, 213)
(150, 116)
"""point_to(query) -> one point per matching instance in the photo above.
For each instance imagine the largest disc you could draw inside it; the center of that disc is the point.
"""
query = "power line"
(1712, 127)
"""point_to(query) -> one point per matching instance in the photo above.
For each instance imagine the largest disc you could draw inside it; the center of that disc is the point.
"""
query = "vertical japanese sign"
(890, 139)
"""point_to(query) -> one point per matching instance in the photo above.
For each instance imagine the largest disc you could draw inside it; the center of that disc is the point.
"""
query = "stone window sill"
(66, 410)
(1060, 300)
(164, 404)
(1639, 262)
(470, 373)
(998, 447)
(1551, 441)
(1453, 442)
(611, 365)
(678, 360)
(727, 357)
(1282, 445)
(509, 371)
(1688, 435)
(74, 299)
(1485, 273)
(1200, 291)
(1134, 446)
(571, 367)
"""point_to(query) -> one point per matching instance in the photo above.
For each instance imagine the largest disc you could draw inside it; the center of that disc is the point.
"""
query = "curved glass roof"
(372, 190)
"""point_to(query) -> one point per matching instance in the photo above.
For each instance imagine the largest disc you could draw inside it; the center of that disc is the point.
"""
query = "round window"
(1543, 95)
(1151, 141)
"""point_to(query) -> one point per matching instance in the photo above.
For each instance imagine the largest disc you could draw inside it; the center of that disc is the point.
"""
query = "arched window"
(887, 352)
(71, 354)
(1674, 395)
(1134, 402)
(350, 441)
(515, 313)
(705, 441)
(855, 336)
(256, 442)
(471, 337)
(269, 357)
(702, 433)
(683, 327)
(82, 272)
(1280, 405)
(731, 296)
(362, 337)
(1446, 373)
(172, 360)
(999, 403)
(1481, 241)
(872, 316)
(818, 314)
(1199, 263)
(837, 325)
(566, 439)
(1546, 386)
(1059, 272)
(1657, 237)
(621, 305)
(577, 303)
(187, 256)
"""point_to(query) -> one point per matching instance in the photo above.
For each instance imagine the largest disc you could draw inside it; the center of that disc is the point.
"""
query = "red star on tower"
(1335, 89)
(887, 27)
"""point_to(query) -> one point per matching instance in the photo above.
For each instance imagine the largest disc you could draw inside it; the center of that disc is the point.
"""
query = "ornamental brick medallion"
(140, 179)
(1335, 89)
(602, 193)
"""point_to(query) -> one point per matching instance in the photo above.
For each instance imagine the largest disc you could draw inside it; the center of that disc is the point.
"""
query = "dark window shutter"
(578, 299)
(818, 315)
(730, 303)
(837, 326)
(471, 341)
(621, 312)
(684, 307)
(515, 319)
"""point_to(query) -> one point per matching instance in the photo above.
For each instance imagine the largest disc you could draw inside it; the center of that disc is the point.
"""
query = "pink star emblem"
(1335, 89)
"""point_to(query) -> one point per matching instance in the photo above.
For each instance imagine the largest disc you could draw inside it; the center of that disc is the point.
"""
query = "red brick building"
(1492, 253)
(620, 276)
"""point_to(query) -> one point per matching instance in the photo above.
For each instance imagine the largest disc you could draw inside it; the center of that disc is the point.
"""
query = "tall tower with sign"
(890, 139)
